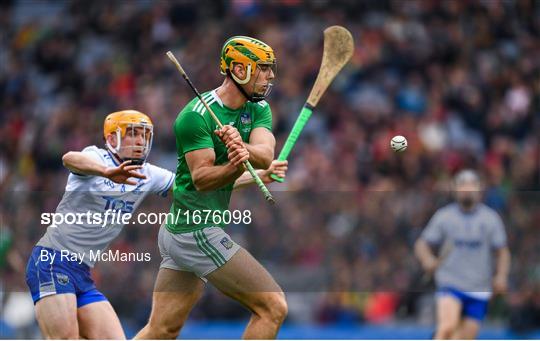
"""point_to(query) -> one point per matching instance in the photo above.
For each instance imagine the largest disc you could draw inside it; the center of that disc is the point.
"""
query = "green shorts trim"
(208, 249)
(199, 252)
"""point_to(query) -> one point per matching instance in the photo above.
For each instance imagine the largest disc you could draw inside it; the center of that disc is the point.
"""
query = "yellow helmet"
(247, 51)
(121, 122)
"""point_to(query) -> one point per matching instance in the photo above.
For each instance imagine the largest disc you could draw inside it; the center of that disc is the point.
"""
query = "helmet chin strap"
(254, 97)
(135, 161)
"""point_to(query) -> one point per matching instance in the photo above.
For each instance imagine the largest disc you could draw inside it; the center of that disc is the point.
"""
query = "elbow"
(269, 158)
(199, 184)
(267, 162)
(505, 252)
(415, 249)
(66, 158)
(198, 187)
(418, 247)
(200, 179)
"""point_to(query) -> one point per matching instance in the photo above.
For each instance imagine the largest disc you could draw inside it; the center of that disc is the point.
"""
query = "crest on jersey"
(227, 243)
(245, 118)
(62, 279)
(108, 183)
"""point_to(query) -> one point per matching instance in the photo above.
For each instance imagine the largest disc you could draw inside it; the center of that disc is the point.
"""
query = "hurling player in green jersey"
(193, 245)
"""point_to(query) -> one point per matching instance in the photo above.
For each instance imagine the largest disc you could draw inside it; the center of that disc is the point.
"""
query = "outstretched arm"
(278, 168)
(79, 163)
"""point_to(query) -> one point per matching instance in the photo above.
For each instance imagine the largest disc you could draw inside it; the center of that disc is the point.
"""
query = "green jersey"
(194, 128)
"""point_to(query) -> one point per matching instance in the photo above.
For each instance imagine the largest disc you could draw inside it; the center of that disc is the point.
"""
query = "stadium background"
(459, 79)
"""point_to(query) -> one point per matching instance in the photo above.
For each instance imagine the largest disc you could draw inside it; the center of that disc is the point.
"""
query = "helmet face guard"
(252, 95)
(255, 96)
(129, 123)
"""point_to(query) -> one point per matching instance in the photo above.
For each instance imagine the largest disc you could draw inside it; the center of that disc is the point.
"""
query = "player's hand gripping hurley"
(267, 195)
(338, 49)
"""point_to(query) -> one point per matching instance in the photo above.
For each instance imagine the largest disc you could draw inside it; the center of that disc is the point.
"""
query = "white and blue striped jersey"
(97, 195)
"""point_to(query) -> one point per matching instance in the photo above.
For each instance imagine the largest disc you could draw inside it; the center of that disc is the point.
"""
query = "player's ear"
(239, 70)
(111, 139)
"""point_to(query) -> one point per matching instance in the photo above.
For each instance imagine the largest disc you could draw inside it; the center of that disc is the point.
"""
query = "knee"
(64, 333)
(281, 308)
(275, 309)
(446, 330)
(57, 331)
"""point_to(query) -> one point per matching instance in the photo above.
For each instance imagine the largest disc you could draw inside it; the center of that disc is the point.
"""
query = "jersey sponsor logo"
(470, 244)
(245, 121)
(62, 279)
(111, 203)
(245, 118)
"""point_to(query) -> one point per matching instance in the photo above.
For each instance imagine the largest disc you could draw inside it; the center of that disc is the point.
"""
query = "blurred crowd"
(459, 79)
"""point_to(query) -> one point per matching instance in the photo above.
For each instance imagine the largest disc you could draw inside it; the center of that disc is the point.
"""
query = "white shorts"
(200, 252)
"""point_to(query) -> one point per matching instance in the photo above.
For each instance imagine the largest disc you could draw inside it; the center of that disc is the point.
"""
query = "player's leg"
(468, 329)
(244, 279)
(57, 316)
(176, 290)
(97, 318)
(448, 315)
(175, 294)
(53, 293)
(474, 312)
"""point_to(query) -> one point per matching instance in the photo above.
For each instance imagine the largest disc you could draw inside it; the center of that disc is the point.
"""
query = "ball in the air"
(398, 143)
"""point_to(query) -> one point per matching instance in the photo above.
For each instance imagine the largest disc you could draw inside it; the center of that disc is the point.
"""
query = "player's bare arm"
(425, 255)
(502, 270)
(278, 168)
(206, 176)
(79, 163)
(260, 147)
